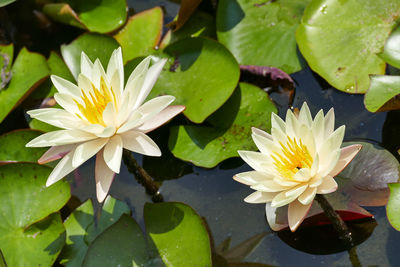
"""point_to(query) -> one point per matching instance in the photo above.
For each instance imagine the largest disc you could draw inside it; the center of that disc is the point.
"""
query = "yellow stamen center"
(96, 102)
(292, 157)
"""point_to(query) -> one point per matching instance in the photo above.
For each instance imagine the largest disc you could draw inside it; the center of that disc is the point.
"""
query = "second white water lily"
(296, 161)
(101, 117)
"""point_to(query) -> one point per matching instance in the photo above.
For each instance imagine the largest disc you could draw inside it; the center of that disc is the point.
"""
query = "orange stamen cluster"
(96, 102)
(292, 157)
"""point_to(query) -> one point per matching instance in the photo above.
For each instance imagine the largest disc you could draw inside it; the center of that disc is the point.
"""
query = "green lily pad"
(391, 51)
(381, 90)
(31, 230)
(229, 130)
(2, 260)
(6, 57)
(261, 32)
(82, 230)
(201, 73)
(177, 234)
(6, 2)
(341, 40)
(12, 146)
(94, 45)
(97, 16)
(27, 73)
(141, 34)
(122, 244)
(393, 206)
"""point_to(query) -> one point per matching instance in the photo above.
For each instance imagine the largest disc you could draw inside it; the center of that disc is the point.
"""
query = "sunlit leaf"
(97, 16)
(27, 73)
(393, 206)
(341, 40)
(122, 244)
(31, 230)
(391, 51)
(261, 32)
(228, 129)
(12, 147)
(382, 90)
(141, 34)
(6, 2)
(94, 45)
(200, 73)
(177, 234)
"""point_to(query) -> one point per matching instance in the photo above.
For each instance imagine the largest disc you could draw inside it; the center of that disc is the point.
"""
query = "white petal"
(292, 125)
(297, 212)
(281, 199)
(104, 177)
(278, 123)
(148, 110)
(251, 177)
(140, 143)
(329, 122)
(110, 115)
(161, 118)
(84, 84)
(346, 156)
(98, 73)
(255, 160)
(259, 132)
(265, 145)
(328, 185)
(116, 65)
(68, 103)
(259, 197)
(55, 152)
(269, 186)
(318, 129)
(307, 196)
(113, 153)
(285, 182)
(136, 79)
(149, 81)
(60, 137)
(64, 86)
(272, 217)
(86, 65)
(302, 175)
(315, 166)
(296, 191)
(87, 150)
(57, 117)
(63, 168)
(305, 115)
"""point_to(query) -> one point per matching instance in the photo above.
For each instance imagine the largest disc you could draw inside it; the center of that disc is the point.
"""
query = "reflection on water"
(219, 199)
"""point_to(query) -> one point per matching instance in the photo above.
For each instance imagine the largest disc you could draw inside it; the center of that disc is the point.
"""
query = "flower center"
(96, 102)
(292, 157)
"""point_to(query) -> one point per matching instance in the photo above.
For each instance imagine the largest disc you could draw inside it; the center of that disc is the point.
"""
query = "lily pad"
(381, 93)
(393, 206)
(6, 2)
(141, 34)
(201, 73)
(341, 40)
(12, 147)
(229, 130)
(96, 16)
(31, 230)
(261, 32)
(122, 244)
(391, 51)
(82, 230)
(177, 233)
(27, 73)
(94, 45)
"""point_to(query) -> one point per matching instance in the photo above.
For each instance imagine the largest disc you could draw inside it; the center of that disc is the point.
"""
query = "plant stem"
(338, 224)
(142, 176)
(355, 261)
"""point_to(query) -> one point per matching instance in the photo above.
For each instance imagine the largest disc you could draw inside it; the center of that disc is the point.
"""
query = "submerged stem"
(355, 261)
(338, 224)
(142, 176)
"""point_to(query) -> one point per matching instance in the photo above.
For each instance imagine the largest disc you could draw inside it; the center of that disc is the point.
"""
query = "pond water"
(219, 199)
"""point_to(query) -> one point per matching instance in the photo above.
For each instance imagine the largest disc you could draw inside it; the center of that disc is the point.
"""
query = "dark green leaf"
(381, 90)
(393, 206)
(391, 51)
(230, 129)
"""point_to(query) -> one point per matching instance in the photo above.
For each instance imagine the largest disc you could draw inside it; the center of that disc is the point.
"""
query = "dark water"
(219, 199)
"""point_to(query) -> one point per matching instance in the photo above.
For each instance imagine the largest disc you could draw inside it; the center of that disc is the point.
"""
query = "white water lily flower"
(100, 117)
(296, 161)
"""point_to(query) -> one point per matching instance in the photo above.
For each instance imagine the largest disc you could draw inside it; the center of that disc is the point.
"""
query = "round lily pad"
(261, 32)
(341, 40)
(201, 73)
(228, 129)
(31, 230)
